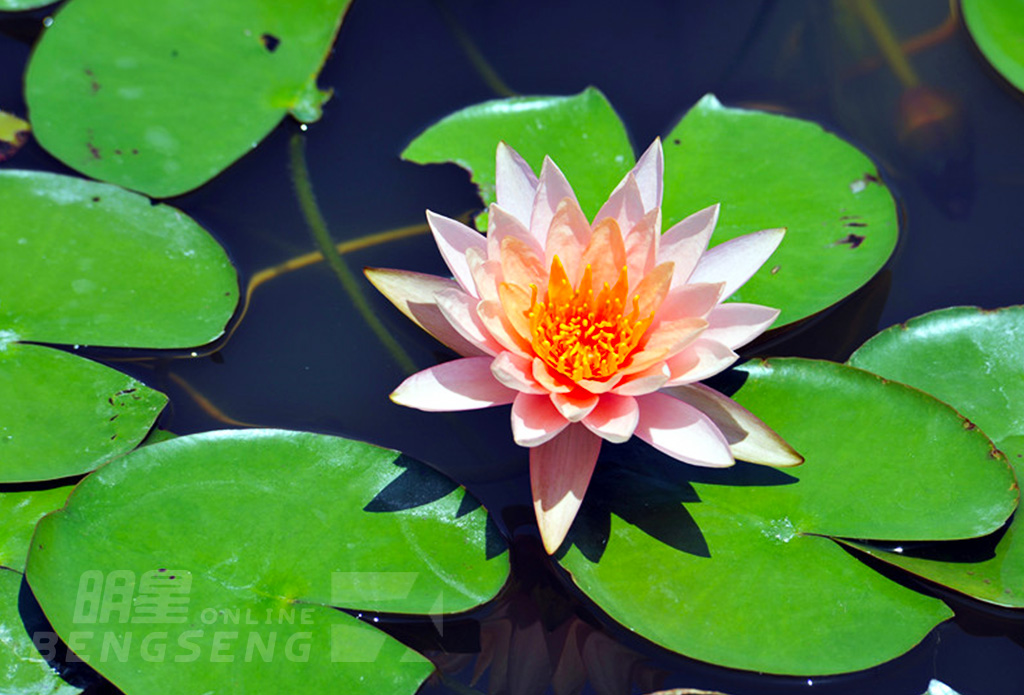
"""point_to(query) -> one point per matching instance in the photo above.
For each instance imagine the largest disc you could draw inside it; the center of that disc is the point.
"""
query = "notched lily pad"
(737, 566)
(161, 97)
(768, 171)
(581, 133)
(61, 415)
(19, 511)
(971, 359)
(253, 538)
(89, 263)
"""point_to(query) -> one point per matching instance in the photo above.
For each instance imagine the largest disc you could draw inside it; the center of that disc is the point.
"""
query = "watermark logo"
(121, 614)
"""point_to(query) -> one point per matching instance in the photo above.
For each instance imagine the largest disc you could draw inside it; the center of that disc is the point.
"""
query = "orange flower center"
(581, 334)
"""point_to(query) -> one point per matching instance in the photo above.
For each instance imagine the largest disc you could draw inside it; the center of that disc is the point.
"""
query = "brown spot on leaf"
(775, 269)
(676, 141)
(855, 224)
(93, 84)
(854, 240)
(270, 42)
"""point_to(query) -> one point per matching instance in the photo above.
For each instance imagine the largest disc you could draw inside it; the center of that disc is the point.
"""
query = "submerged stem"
(318, 228)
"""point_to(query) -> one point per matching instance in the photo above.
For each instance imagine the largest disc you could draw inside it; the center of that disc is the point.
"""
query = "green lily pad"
(24, 667)
(581, 133)
(770, 171)
(971, 359)
(253, 534)
(89, 263)
(19, 512)
(997, 27)
(62, 415)
(735, 566)
(161, 97)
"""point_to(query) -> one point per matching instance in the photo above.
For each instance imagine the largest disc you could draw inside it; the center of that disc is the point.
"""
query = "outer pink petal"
(736, 324)
(681, 431)
(515, 183)
(516, 373)
(500, 224)
(486, 274)
(574, 405)
(749, 438)
(560, 472)
(453, 239)
(552, 189)
(703, 359)
(465, 384)
(734, 261)
(624, 205)
(649, 172)
(642, 244)
(685, 241)
(615, 418)
(459, 310)
(492, 315)
(568, 235)
(697, 299)
(647, 381)
(535, 420)
(415, 295)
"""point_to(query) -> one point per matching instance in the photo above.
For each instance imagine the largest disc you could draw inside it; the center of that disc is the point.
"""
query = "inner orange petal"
(586, 335)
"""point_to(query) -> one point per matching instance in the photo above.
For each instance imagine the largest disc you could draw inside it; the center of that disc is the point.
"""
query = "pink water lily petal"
(605, 254)
(549, 378)
(749, 438)
(502, 224)
(453, 239)
(696, 300)
(685, 241)
(615, 418)
(574, 405)
(535, 419)
(560, 473)
(516, 373)
(522, 264)
(649, 173)
(567, 237)
(465, 384)
(459, 310)
(486, 274)
(736, 260)
(674, 336)
(647, 381)
(551, 190)
(735, 324)
(415, 295)
(515, 183)
(642, 245)
(624, 205)
(601, 385)
(497, 324)
(703, 359)
(676, 428)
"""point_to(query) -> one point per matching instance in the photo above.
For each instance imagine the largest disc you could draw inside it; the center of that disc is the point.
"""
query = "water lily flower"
(592, 331)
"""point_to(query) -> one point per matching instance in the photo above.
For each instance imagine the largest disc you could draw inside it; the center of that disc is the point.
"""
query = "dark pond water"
(302, 358)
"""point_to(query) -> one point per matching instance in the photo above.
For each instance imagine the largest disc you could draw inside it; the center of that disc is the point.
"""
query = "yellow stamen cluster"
(580, 334)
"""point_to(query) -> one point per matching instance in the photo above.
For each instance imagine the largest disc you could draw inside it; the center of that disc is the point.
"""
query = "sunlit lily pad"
(268, 525)
(765, 170)
(161, 97)
(971, 359)
(61, 415)
(25, 671)
(769, 171)
(89, 263)
(735, 567)
(581, 133)
(19, 512)
(997, 27)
